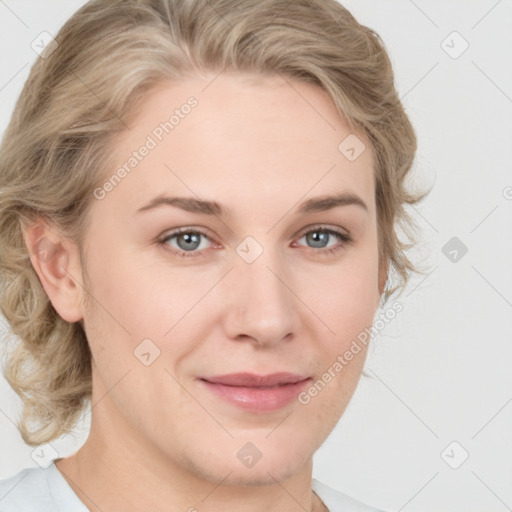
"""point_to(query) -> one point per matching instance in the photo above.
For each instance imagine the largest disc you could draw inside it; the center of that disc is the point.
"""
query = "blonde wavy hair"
(110, 54)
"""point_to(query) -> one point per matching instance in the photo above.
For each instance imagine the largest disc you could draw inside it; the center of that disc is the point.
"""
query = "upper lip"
(253, 380)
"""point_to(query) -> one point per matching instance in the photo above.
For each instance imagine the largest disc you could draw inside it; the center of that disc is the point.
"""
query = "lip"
(258, 393)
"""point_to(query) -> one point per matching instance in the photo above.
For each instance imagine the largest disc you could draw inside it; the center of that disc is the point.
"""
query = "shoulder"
(336, 501)
(38, 490)
(26, 491)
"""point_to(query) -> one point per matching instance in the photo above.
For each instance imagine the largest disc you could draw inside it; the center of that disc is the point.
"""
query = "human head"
(79, 99)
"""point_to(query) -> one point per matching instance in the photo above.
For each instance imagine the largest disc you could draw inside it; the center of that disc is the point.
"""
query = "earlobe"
(56, 262)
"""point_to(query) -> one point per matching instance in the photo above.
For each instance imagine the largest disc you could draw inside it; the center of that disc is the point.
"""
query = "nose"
(262, 306)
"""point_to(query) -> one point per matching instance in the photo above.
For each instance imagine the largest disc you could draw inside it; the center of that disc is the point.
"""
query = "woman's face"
(259, 287)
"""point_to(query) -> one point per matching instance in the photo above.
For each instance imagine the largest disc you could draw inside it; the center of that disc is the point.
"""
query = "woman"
(198, 211)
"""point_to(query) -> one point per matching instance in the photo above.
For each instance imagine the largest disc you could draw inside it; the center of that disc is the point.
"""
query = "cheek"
(344, 298)
(346, 305)
(147, 297)
(345, 301)
(139, 297)
(144, 313)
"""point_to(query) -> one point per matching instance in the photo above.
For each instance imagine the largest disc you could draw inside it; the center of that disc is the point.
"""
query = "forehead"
(242, 138)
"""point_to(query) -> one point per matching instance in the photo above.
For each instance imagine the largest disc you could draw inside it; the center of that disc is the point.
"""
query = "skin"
(159, 440)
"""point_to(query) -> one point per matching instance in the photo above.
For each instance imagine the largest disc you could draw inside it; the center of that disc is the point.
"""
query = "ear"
(56, 261)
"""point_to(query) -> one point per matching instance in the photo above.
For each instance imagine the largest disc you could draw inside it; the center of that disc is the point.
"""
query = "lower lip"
(258, 399)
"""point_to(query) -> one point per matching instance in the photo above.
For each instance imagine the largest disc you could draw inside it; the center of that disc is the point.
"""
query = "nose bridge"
(261, 306)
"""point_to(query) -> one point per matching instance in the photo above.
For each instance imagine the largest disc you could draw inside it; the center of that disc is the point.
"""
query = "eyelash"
(343, 237)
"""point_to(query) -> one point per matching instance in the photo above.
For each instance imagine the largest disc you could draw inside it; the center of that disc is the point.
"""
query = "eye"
(319, 238)
(188, 241)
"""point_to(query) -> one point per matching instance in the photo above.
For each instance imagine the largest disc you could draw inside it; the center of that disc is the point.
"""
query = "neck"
(123, 472)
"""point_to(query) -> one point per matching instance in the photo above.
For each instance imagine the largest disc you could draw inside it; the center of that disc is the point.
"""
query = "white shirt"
(46, 490)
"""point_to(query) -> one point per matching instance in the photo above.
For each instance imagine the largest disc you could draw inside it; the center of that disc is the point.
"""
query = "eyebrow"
(190, 204)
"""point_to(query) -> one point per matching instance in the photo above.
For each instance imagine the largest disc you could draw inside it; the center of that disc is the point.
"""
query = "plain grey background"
(431, 428)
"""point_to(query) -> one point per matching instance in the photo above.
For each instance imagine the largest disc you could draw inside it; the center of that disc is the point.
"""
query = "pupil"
(317, 236)
(189, 239)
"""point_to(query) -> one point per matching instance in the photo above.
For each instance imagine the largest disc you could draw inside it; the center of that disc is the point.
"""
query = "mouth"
(257, 393)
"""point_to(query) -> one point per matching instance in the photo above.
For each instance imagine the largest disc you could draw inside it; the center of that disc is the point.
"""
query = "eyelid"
(340, 231)
(343, 234)
(187, 229)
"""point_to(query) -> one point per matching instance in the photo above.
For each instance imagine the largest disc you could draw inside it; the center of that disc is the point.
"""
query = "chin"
(266, 471)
